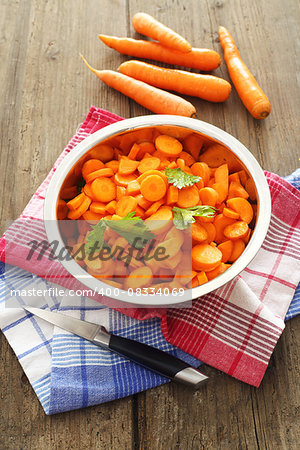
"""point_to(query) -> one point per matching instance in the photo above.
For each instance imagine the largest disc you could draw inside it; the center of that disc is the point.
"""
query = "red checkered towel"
(234, 328)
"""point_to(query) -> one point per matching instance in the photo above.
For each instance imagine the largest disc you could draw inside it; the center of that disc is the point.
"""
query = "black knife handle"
(156, 360)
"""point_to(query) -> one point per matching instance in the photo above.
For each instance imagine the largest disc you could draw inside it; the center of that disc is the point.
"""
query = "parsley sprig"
(180, 179)
(183, 217)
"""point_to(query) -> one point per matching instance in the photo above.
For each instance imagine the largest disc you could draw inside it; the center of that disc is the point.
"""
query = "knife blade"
(149, 357)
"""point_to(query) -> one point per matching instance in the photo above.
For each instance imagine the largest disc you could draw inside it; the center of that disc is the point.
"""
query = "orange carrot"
(211, 231)
(197, 58)
(205, 257)
(208, 196)
(172, 195)
(92, 216)
(120, 192)
(106, 172)
(148, 26)
(91, 166)
(76, 201)
(217, 154)
(236, 230)
(188, 197)
(113, 164)
(199, 233)
(151, 163)
(152, 98)
(123, 180)
(126, 205)
(142, 202)
(138, 278)
(202, 170)
(242, 207)
(230, 213)
(193, 144)
(187, 158)
(134, 151)
(154, 207)
(250, 188)
(84, 206)
(160, 221)
(207, 87)
(220, 223)
(237, 190)
(133, 188)
(246, 85)
(153, 188)
(168, 145)
(127, 166)
(111, 207)
(146, 147)
(104, 152)
(238, 248)
(98, 208)
(226, 248)
(153, 172)
(211, 274)
(201, 278)
(103, 189)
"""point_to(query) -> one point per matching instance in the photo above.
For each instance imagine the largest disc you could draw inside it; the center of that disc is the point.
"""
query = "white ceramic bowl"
(194, 125)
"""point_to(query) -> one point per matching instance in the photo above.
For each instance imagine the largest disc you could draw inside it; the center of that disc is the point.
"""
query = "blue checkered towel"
(68, 372)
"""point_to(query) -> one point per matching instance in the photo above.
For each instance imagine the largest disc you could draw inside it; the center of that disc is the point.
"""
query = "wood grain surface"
(45, 92)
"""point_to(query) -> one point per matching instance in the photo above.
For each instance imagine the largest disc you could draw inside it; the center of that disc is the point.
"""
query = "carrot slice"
(202, 170)
(111, 207)
(133, 188)
(76, 201)
(140, 212)
(142, 202)
(208, 196)
(211, 231)
(153, 172)
(134, 151)
(92, 216)
(172, 195)
(238, 248)
(151, 163)
(243, 177)
(220, 223)
(226, 248)
(168, 145)
(205, 257)
(237, 190)
(222, 191)
(138, 278)
(98, 208)
(160, 221)
(231, 213)
(123, 180)
(187, 158)
(80, 210)
(91, 166)
(217, 154)
(104, 152)
(146, 147)
(221, 175)
(234, 177)
(221, 268)
(153, 188)
(242, 207)
(127, 166)
(120, 192)
(250, 188)
(236, 230)
(113, 164)
(199, 233)
(188, 197)
(106, 172)
(201, 278)
(153, 208)
(103, 189)
(126, 205)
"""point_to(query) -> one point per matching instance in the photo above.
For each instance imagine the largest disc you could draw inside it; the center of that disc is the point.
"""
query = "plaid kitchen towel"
(234, 329)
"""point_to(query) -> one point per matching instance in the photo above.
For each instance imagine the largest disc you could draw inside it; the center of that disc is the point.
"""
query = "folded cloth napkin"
(234, 328)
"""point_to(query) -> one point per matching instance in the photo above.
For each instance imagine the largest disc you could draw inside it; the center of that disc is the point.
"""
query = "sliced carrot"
(230, 213)
(153, 172)
(188, 197)
(111, 207)
(104, 152)
(103, 189)
(234, 177)
(69, 192)
(168, 145)
(221, 175)
(205, 257)
(113, 164)
(98, 208)
(172, 195)
(135, 149)
(172, 165)
(199, 233)
(92, 216)
(153, 208)
(76, 201)
(250, 188)
(202, 170)
(246, 238)
(220, 223)
(236, 230)
(193, 143)
(84, 206)
(142, 202)
(237, 190)
(91, 166)
(153, 188)
(238, 248)
(221, 268)
(127, 166)
(210, 229)
(160, 221)
(126, 205)
(181, 164)
(187, 158)
(208, 196)
(123, 180)
(226, 248)
(117, 153)
(243, 177)
(222, 191)
(217, 154)
(202, 278)
(242, 207)
(139, 278)
(146, 147)
(133, 188)
(164, 164)
(221, 207)
(140, 212)
(120, 192)
(151, 163)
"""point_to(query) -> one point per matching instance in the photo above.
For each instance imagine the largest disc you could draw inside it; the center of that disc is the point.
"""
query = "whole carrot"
(208, 87)
(246, 85)
(156, 100)
(145, 24)
(197, 58)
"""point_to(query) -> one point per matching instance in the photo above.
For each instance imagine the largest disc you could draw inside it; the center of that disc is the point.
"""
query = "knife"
(152, 358)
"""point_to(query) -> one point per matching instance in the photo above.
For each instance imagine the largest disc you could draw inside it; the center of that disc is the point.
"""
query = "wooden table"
(45, 92)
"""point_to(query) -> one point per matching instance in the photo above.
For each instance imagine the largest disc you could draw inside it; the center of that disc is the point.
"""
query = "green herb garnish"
(183, 217)
(95, 238)
(181, 179)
